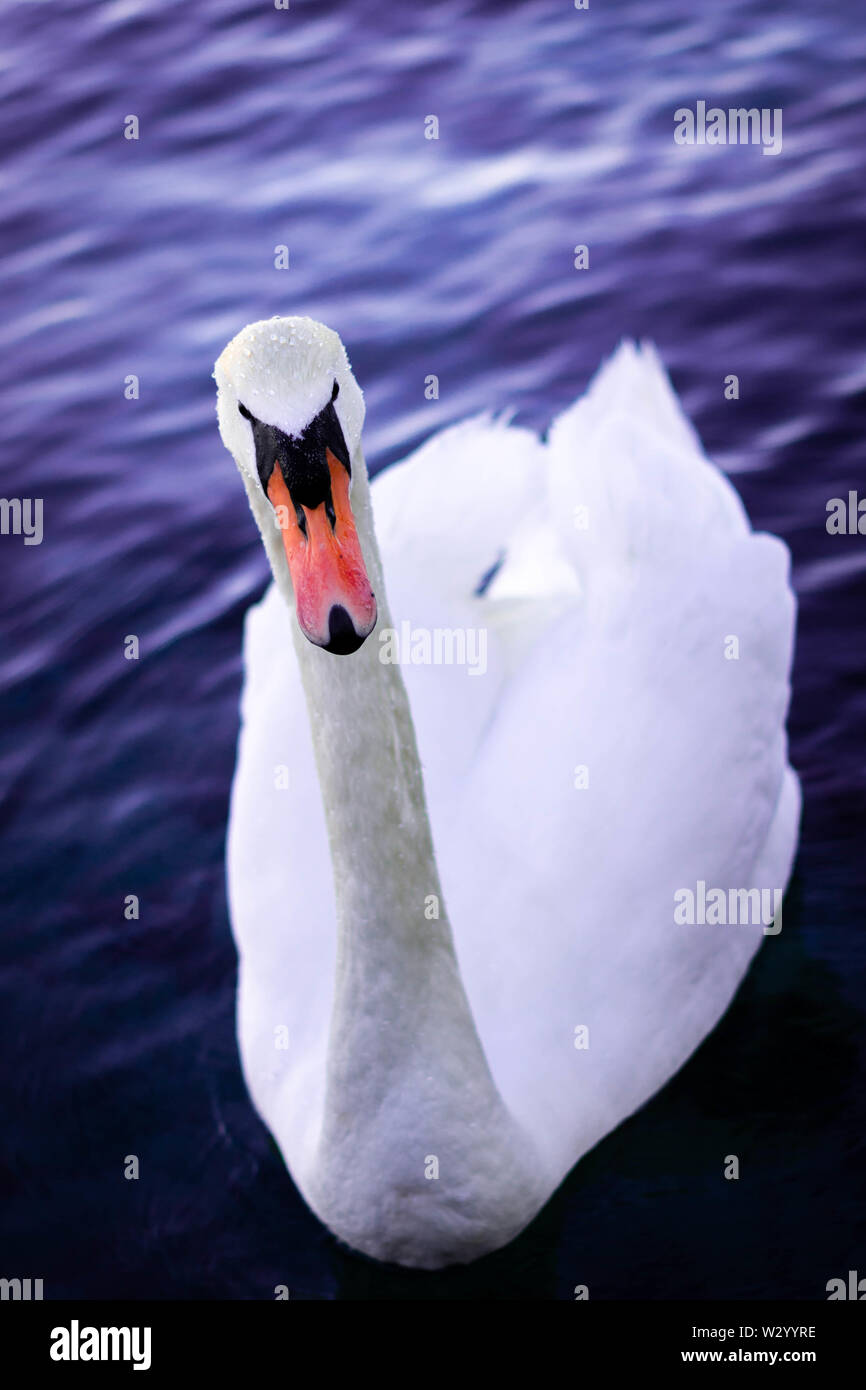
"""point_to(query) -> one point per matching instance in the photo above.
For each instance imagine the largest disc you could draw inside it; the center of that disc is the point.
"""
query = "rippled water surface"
(305, 128)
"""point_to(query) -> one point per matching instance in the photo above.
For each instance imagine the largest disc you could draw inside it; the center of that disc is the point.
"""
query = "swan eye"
(335, 393)
(243, 411)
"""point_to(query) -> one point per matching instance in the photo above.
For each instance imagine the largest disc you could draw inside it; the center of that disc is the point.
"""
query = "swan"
(619, 745)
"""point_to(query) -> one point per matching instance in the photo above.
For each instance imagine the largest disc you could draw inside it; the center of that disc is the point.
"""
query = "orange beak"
(335, 605)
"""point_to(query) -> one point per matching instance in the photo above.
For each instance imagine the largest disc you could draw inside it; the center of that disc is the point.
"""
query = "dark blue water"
(305, 128)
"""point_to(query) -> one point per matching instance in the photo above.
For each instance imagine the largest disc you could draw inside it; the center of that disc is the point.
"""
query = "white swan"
(428, 1091)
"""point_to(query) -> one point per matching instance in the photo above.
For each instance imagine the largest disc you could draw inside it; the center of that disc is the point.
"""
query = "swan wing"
(638, 750)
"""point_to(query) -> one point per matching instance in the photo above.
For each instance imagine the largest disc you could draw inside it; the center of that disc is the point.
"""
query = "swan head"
(290, 412)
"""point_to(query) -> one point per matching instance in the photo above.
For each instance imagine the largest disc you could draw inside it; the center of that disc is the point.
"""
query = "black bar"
(243, 1338)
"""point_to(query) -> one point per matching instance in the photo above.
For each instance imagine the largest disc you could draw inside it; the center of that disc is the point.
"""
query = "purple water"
(261, 127)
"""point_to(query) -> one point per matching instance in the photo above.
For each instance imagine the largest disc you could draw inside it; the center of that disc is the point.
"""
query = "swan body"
(430, 1087)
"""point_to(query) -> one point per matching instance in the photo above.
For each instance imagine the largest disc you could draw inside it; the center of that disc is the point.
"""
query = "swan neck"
(398, 989)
